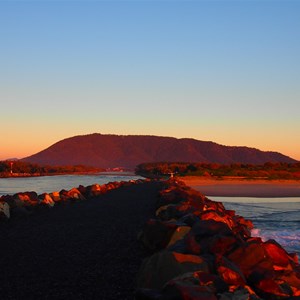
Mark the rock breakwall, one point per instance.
(25, 203)
(200, 250)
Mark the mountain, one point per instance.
(110, 151)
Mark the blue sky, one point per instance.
(226, 71)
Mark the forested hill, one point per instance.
(108, 151)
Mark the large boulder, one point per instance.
(95, 190)
(269, 288)
(230, 272)
(163, 266)
(173, 211)
(75, 194)
(239, 293)
(280, 258)
(46, 199)
(157, 234)
(55, 196)
(178, 235)
(238, 267)
(27, 199)
(198, 285)
(252, 259)
(4, 210)
(218, 217)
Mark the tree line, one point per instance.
(15, 168)
(269, 170)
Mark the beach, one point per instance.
(234, 187)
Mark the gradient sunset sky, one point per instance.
(222, 71)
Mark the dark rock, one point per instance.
(188, 287)
(28, 199)
(271, 289)
(178, 234)
(163, 266)
(148, 294)
(239, 293)
(4, 210)
(208, 228)
(157, 234)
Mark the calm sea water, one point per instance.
(276, 218)
(273, 218)
(47, 184)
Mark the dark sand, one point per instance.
(87, 250)
(244, 188)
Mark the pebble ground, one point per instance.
(85, 250)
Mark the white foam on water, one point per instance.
(289, 240)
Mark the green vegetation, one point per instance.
(20, 168)
(266, 171)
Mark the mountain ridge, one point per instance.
(111, 150)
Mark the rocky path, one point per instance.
(87, 250)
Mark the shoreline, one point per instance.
(258, 188)
(29, 175)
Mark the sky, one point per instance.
(222, 71)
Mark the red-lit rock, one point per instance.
(279, 256)
(27, 199)
(243, 221)
(214, 205)
(269, 288)
(239, 293)
(216, 216)
(75, 194)
(294, 257)
(230, 272)
(214, 281)
(192, 245)
(292, 279)
(94, 190)
(179, 234)
(64, 196)
(55, 196)
(46, 199)
(250, 257)
(169, 212)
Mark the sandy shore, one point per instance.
(244, 187)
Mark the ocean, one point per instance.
(273, 218)
(47, 184)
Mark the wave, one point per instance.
(290, 240)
